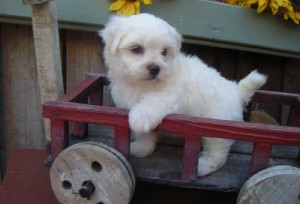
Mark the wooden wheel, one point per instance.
(278, 184)
(262, 117)
(92, 173)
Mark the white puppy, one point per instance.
(153, 79)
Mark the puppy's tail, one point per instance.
(248, 85)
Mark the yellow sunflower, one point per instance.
(128, 7)
(284, 7)
(280, 6)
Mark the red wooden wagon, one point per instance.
(174, 164)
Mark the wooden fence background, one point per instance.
(20, 113)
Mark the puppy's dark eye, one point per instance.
(164, 52)
(137, 49)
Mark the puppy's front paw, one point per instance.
(207, 165)
(140, 149)
(143, 121)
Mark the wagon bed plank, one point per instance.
(105, 133)
(164, 165)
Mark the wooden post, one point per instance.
(46, 40)
(60, 138)
(122, 141)
(190, 158)
(260, 157)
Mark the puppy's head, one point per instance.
(140, 47)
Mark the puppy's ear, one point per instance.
(113, 33)
(178, 39)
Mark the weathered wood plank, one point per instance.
(224, 60)
(2, 158)
(83, 55)
(246, 62)
(204, 22)
(22, 105)
(47, 53)
(206, 53)
(291, 81)
(164, 167)
(227, 63)
(31, 2)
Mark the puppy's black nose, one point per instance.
(153, 70)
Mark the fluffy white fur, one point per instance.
(151, 77)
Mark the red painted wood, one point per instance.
(190, 158)
(122, 141)
(71, 111)
(27, 179)
(84, 89)
(274, 97)
(294, 115)
(181, 124)
(260, 157)
(94, 90)
(59, 137)
(96, 95)
(80, 130)
(67, 108)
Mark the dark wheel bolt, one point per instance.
(87, 189)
